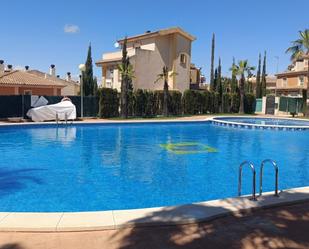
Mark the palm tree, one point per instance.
(299, 50)
(240, 70)
(164, 76)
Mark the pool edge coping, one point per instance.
(158, 216)
(216, 120)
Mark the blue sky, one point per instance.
(33, 31)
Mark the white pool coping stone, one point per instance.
(183, 214)
(217, 121)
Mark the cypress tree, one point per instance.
(88, 81)
(263, 83)
(212, 87)
(124, 81)
(219, 86)
(95, 86)
(258, 89)
(234, 79)
(215, 80)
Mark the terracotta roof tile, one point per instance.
(17, 77)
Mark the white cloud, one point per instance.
(71, 29)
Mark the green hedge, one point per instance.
(145, 103)
(249, 103)
(108, 103)
(174, 102)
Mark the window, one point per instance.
(183, 59)
(27, 92)
(284, 82)
(301, 80)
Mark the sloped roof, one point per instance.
(18, 77)
(161, 32)
(48, 76)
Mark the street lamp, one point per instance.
(82, 69)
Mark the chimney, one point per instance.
(68, 76)
(26, 68)
(1, 67)
(52, 70)
(10, 68)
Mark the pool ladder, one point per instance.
(65, 119)
(261, 177)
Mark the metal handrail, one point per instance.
(65, 118)
(276, 175)
(253, 179)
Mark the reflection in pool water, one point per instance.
(121, 166)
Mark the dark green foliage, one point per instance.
(108, 103)
(263, 82)
(212, 60)
(124, 81)
(89, 83)
(95, 86)
(191, 104)
(258, 89)
(215, 81)
(216, 102)
(305, 107)
(174, 102)
(235, 102)
(175, 107)
(140, 102)
(144, 103)
(226, 102)
(249, 105)
(234, 87)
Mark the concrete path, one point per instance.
(280, 227)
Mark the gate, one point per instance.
(270, 105)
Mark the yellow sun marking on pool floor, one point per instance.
(188, 148)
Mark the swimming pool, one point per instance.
(259, 121)
(90, 167)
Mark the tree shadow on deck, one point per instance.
(277, 227)
(12, 246)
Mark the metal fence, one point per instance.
(18, 105)
(291, 105)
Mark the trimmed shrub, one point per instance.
(226, 103)
(175, 106)
(144, 103)
(108, 103)
(174, 102)
(139, 100)
(235, 102)
(205, 102)
(249, 106)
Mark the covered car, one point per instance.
(62, 110)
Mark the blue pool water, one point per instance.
(123, 166)
(265, 121)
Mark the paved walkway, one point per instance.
(281, 227)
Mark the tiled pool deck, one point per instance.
(184, 214)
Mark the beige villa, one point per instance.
(148, 53)
(270, 83)
(294, 80)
